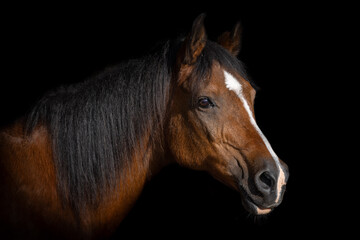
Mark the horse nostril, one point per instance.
(266, 178)
(265, 182)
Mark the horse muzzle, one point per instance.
(265, 190)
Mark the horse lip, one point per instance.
(252, 207)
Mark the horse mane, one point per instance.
(98, 125)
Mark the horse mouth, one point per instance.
(251, 207)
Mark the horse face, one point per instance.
(212, 127)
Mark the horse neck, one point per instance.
(154, 158)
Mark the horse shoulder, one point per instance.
(31, 202)
(29, 198)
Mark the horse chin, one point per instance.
(252, 208)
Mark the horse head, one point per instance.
(212, 124)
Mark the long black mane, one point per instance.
(98, 125)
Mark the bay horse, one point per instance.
(76, 163)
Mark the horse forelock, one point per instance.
(214, 53)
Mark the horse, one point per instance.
(75, 164)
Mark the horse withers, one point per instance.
(76, 163)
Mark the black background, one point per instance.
(288, 50)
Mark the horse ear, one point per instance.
(195, 41)
(232, 40)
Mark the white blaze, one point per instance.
(234, 85)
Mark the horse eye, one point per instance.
(205, 102)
